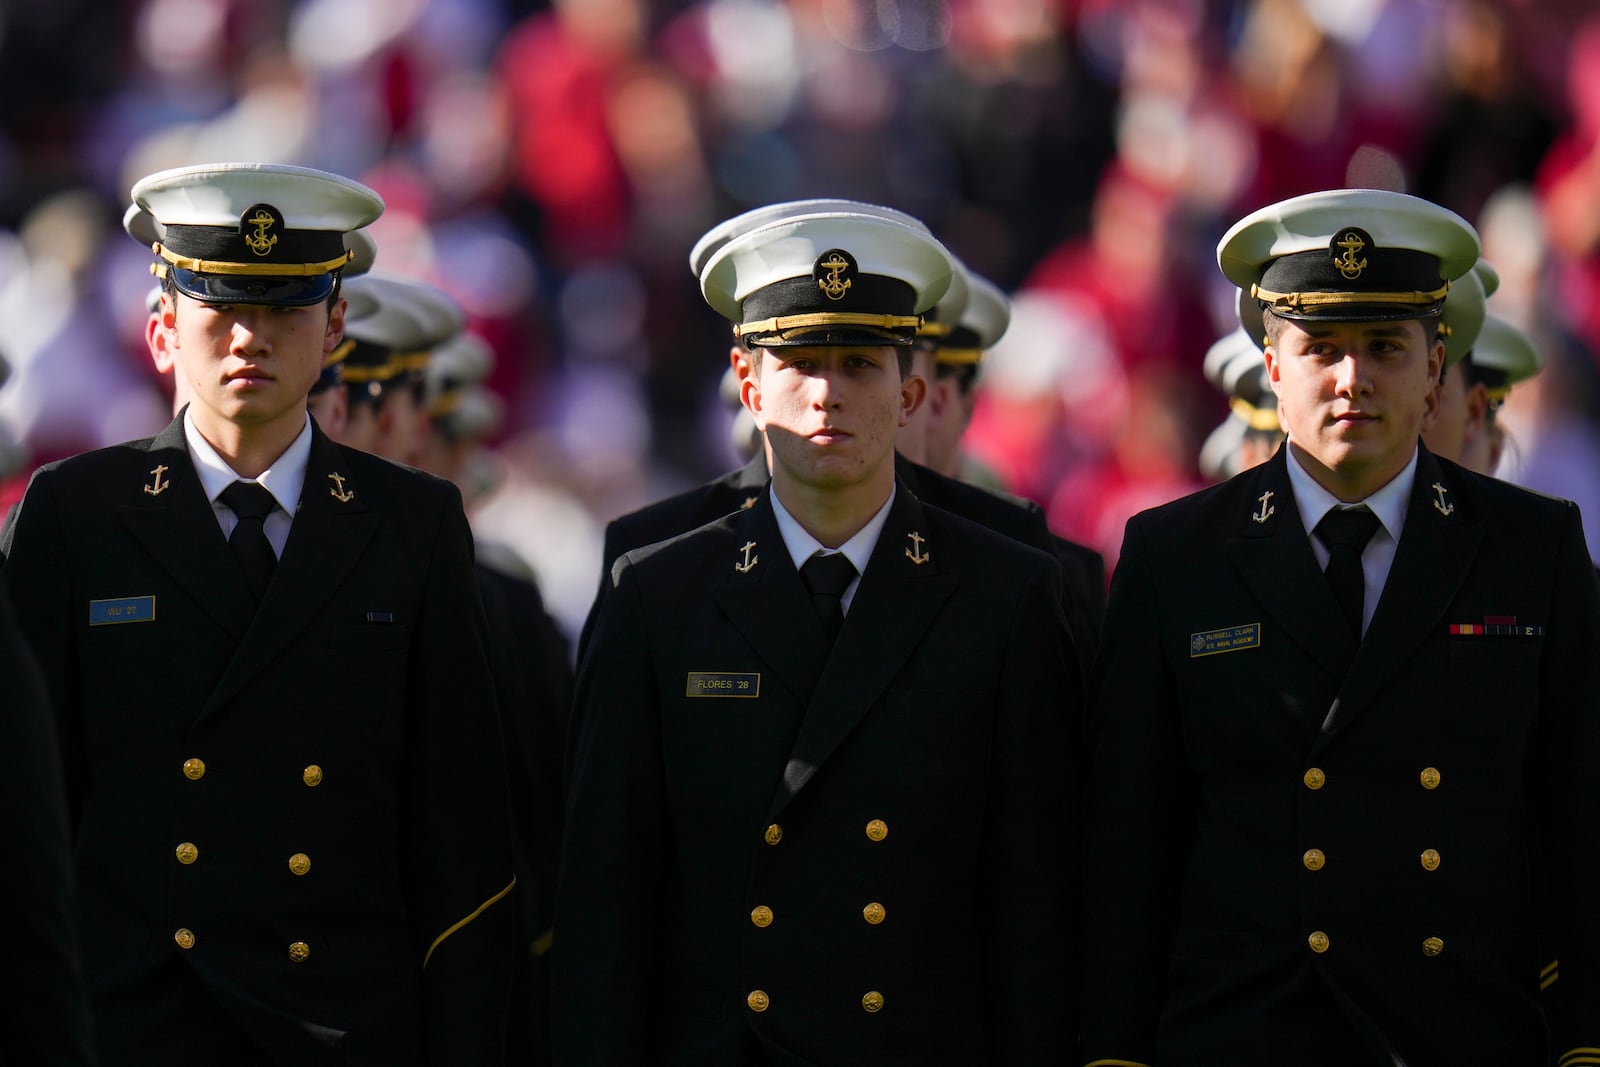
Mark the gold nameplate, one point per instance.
(1228, 639)
(723, 684)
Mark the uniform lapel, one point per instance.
(762, 594)
(1273, 554)
(330, 532)
(1436, 550)
(170, 516)
(893, 607)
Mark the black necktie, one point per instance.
(1346, 533)
(252, 503)
(827, 577)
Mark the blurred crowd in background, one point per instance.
(550, 164)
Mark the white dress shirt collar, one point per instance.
(802, 546)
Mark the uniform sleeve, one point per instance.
(1570, 710)
(458, 839)
(1133, 821)
(44, 1017)
(614, 847)
(1030, 840)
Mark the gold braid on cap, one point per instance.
(411, 360)
(1254, 417)
(1297, 301)
(962, 357)
(934, 329)
(343, 349)
(274, 270)
(784, 323)
(381, 373)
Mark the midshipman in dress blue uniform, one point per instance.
(786, 847)
(267, 663)
(1345, 817)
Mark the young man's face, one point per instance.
(830, 413)
(1458, 429)
(250, 364)
(1353, 396)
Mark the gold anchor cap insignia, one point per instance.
(749, 560)
(1267, 508)
(338, 491)
(260, 219)
(1439, 503)
(915, 553)
(830, 271)
(1346, 249)
(159, 486)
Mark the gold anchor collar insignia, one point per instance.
(915, 553)
(1346, 249)
(1439, 503)
(832, 271)
(159, 486)
(1266, 510)
(749, 502)
(749, 562)
(254, 224)
(338, 491)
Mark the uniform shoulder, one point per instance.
(387, 478)
(963, 538)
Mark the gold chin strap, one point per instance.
(1301, 301)
(411, 360)
(1254, 417)
(340, 351)
(962, 357)
(828, 318)
(381, 373)
(1499, 395)
(270, 270)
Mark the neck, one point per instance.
(249, 449)
(834, 514)
(1348, 485)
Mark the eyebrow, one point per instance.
(1369, 331)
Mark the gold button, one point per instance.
(184, 937)
(194, 769)
(1430, 860)
(1429, 777)
(1314, 778)
(299, 863)
(874, 913)
(774, 834)
(1314, 859)
(1318, 941)
(299, 952)
(758, 1000)
(312, 775)
(1433, 946)
(762, 916)
(877, 829)
(872, 1001)
(187, 853)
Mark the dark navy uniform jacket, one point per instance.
(294, 816)
(861, 855)
(1288, 863)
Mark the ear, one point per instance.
(913, 391)
(1435, 372)
(167, 314)
(1270, 354)
(1477, 410)
(941, 391)
(750, 397)
(335, 331)
(155, 339)
(739, 360)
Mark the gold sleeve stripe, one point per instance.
(541, 944)
(276, 270)
(827, 318)
(479, 910)
(1550, 980)
(1115, 1063)
(1296, 301)
(1552, 965)
(1584, 1060)
(1580, 1055)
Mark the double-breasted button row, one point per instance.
(184, 938)
(188, 852)
(1315, 778)
(762, 916)
(876, 830)
(194, 769)
(1320, 942)
(758, 1001)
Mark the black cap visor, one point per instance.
(269, 290)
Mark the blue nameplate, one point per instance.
(723, 684)
(122, 609)
(1227, 639)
